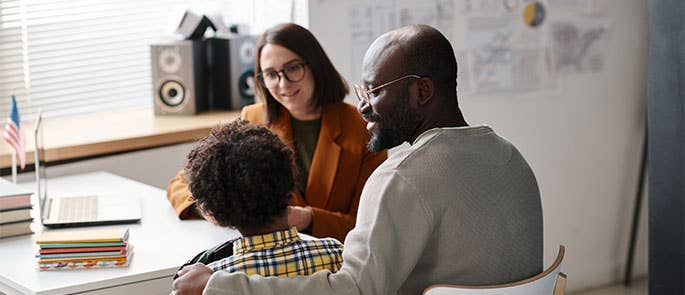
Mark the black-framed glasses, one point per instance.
(292, 72)
(363, 94)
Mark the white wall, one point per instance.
(583, 140)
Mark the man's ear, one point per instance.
(426, 90)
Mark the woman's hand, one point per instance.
(300, 217)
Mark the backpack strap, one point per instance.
(210, 255)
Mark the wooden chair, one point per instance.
(550, 282)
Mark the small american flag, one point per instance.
(13, 135)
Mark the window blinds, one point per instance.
(80, 56)
(11, 56)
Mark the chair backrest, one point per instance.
(550, 282)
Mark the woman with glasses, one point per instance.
(302, 96)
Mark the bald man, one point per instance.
(459, 206)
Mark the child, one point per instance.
(241, 176)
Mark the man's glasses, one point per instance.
(291, 72)
(363, 94)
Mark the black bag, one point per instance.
(210, 255)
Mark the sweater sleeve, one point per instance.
(393, 227)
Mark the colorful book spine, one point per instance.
(15, 228)
(85, 264)
(80, 245)
(71, 255)
(83, 236)
(13, 196)
(16, 214)
(121, 256)
(81, 250)
(15, 202)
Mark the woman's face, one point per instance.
(295, 96)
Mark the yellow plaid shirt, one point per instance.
(283, 254)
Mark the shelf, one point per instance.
(96, 134)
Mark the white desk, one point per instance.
(161, 244)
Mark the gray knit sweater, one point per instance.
(460, 206)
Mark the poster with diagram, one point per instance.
(490, 54)
(507, 46)
(578, 46)
(367, 23)
(370, 20)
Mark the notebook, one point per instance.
(13, 196)
(111, 235)
(79, 210)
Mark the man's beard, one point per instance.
(393, 129)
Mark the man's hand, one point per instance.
(300, 217)
(191, 279)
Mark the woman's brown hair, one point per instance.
(329, 86)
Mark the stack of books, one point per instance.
(99, 248)
(15, 210)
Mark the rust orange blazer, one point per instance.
(339, 169)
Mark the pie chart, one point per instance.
(533, 14)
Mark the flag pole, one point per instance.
(14, 159)
(14, 167)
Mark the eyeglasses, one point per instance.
(292, 72)
(363, 94)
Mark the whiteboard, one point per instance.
(581, 133)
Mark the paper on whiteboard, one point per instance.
(581, 7)
(436, 13)
(506, 56)
(486, 7)
(532, 70)
(578, 46)
(490, 53)
(367, 23)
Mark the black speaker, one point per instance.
(231, 70)
(179, 77)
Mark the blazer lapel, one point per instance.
(325, 160)
(283, 128)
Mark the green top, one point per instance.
(305, 136)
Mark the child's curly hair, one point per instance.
(241, 174)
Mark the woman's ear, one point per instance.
(426, 90)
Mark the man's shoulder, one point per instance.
(445, 144)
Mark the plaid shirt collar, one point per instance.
(278, 239)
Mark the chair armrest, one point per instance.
(560, 286)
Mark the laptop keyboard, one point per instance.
(78, 209)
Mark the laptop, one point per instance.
(79, 210)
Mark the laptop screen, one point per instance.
(39, 160)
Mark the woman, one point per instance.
(302, 101)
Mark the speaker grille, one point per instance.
(172, 93)
(170, 60)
